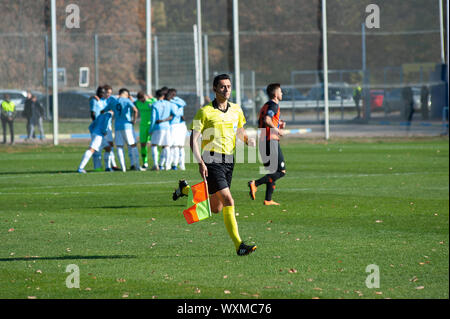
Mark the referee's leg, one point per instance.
(229, 217)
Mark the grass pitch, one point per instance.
(344, 205)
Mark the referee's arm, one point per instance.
(195, 135)
(241, 133)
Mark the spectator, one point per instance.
(424, 96)
(8, 112)
(27, 112)
(357, 97)
(37, 117)
(408, 103)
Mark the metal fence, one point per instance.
(280, 41)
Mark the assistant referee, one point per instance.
(218, 123)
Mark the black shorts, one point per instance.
(220, 171)
(272, 156)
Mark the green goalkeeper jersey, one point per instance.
(145, 111)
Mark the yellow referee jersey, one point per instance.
(218, 128)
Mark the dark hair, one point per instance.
(107, 87)
(271, 88)
(101, 92)
(159, 94)
(171, 93)
(164, 90)
(220, 77)
(123, 90)
(141, 95)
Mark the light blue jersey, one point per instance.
(178, 105)
(97, 106)
(123, 111)
(101, 123)
(162, 109)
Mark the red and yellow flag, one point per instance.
(198, 207)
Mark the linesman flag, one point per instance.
(198, 207)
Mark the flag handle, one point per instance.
(206, 185)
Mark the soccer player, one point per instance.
(98, 130)
(109, 136)
(178, 131)
(219, 123)
(271, 129)
(96, 105)
(162, 113)
(125, 117)
(144, 106)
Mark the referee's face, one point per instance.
(223, 89)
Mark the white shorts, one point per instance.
(161, 137)
(109, 136)
(126, 136)
(96, 142)
(178, 132)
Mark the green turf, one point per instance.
(345, 205)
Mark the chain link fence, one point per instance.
(280, 41)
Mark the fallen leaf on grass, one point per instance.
(420, 287)
(227, 292)
(31, 297)
(378, 292)
(11, 230)
(292, 271)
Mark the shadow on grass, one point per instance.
(67, 257)
(40, 172)
(139, 206)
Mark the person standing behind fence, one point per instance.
(27, 112)
(37, 118)
(8, 112)
(357, 98)
(424, 96)
(408, 103)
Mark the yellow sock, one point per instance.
(231, 225)
(186, 189)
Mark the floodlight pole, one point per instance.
(441, 24)
(325, 67)
(197, 66)
(237, 59)
(148, 35)
(54, 73)
(200, 51)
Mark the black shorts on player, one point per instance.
(220, 171)
(271, 160)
